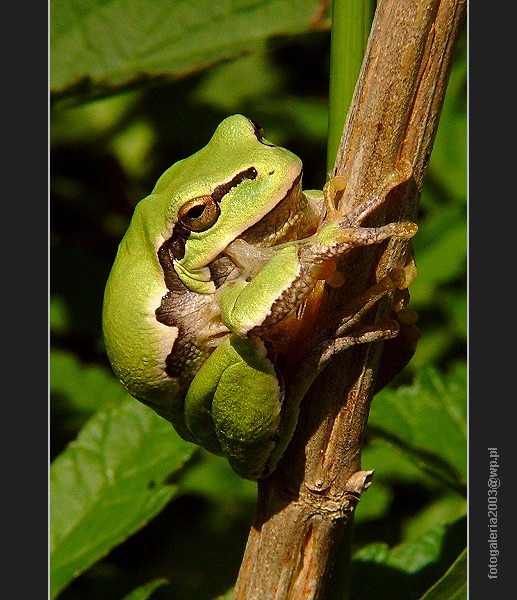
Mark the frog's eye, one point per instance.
(199, 214)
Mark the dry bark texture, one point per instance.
(305, 507)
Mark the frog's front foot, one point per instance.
(365, 236)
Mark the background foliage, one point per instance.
(135, 511)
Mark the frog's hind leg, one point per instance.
(350, 331)
(354, 311)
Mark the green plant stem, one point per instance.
(351, 21)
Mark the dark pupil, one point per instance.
(195, 212)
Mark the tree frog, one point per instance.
(205, 300)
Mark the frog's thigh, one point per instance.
(200, 394)
(233, 405)
(198, 400)
(246, 408)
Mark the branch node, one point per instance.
(335, 507)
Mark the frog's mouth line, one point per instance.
(275, 225)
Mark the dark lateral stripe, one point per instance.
(174, 247)
(221, 190)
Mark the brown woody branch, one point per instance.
(305, 508)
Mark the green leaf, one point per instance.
(455, 303)
(108, 484)
(374, 504)
(390, 463)
(453, 585)
(448, 162)
(143, 592)
(441, 253)
(428, 420)
(229, 87)
(432, 346)
(409, 568)
(85, 387)
(445, 509)
(415, 554)
(396, 476)
(114, 43)
(213, 478)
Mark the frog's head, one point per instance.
(206, 201)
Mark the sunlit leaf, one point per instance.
(407, 569)
(428, 420)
